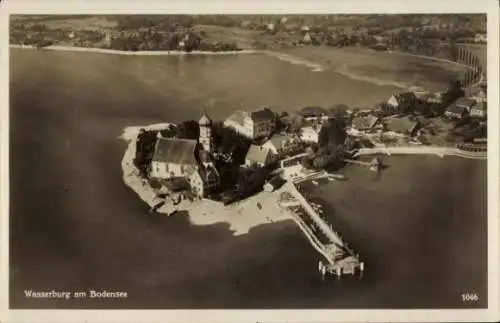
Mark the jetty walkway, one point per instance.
(340, 259)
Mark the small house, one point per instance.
(433, 97)
(403, 126)
(480, 38)
(401, 102)
(479, 110)
(459, 108)
(309, 134)
(364, 123)
(274, 183)
(204, 181)
(259, 155)
(283, 144)
(479, 96)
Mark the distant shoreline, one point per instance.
(133, 53)
(289, 58)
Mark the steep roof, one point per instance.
(175, 151)
(364, 122)
(262, 115)
(207, 173)
(456, 109)
(239, 116)
(258, 154)
(277, 140)
(464, 102)
(405, 97)
(312, 111)
(401, 125)
(205, 120)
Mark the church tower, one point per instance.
(206, 133)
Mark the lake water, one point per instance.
(76, 226)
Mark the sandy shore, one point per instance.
(132, 53)
(241, 216)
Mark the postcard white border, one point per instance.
(491, 7)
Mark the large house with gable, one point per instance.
(401, 103)
(253, 125)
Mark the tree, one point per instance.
(292, 123)
(339, 111)
(189, 130)
(333, 132)
(453, 92)
(351, 143)
(306, 162)
(321, 161)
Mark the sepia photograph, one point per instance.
(249, 161)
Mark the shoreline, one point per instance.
(130, 53)
(241, 217)
(423, 150)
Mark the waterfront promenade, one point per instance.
(423, 150)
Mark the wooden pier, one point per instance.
(340, 259)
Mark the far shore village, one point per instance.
(258, 150)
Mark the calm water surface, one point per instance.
(76, 226)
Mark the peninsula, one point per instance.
(247, 169)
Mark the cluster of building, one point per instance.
(397, 113)
(194, 160)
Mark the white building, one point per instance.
(173, 158)
(282, 144)
(252, 125)
(481, 38)
(259, 155)
(204, 180)
(479, 110)
(310, 134)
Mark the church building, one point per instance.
(191, 159)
